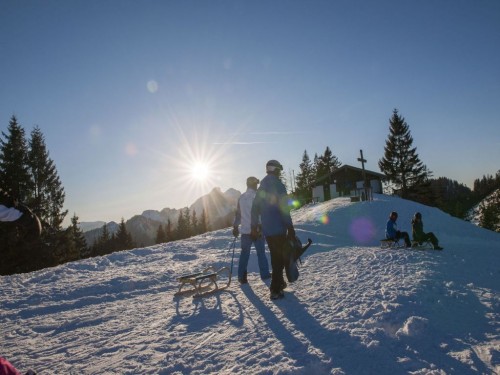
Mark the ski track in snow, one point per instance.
(356, 309)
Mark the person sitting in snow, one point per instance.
(419, 236)
(243, 217)
(26, 222)
(392, 232)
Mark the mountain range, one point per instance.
(219, 208)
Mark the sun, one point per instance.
(200, 171)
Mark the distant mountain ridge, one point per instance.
(219, 208)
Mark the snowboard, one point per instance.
(292, 252)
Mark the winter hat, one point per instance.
(252, 182)
(273, 165)
(418, 215)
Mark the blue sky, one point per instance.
(131, 94)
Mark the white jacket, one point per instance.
(244, 211)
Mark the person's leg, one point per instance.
(260, 248)
(405, 236)
(246, 243)
(434, 240)
(275, 244)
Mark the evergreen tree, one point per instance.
(203, 222)
(78, 239)
(169, 234)
(181, 231)
(101, 247)
(194, 224)
(47, 191)
(161, 236)
(14, 173)
(305, 179)
(325, 165)
(401, 164)
(187, 218)
(123, 239)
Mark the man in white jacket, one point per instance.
(243, 217)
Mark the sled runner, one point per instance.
(389, 243)
(292, 252)
(205, 282)
(425, 245)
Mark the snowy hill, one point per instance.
(356, 309)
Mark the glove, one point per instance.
(291, 232)
(254, 234)
(236, 232)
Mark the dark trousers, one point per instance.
(276, 246)
(405, 236)
(429, 237)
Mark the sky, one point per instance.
(132, 96)
(355, 309)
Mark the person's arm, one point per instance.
(237, 216)
(9, 213)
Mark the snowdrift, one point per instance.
(356, 309)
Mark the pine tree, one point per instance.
(102, 245)
(305, 179)
(401, 164)
(169, 234)
(194, 224)
(14, 173)
(203, 222)
(187, 219)
(161, 237)
(325, 165)
(47, 192)
(181, 230)
(78, 239)
(123, 239)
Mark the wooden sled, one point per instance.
(204, 282)
(389, 243)
(425, 245)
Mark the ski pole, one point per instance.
(232, 259)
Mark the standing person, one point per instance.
(392, 232)
(417, 230)
(243, 217)
(271, 205)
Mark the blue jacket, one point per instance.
(391, 229)
(271, 204)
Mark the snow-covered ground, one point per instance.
(356, 309)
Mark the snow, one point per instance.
(356, 309)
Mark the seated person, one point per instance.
(392, 232)
(417, 229)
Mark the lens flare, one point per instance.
(324, 219)
(362, 230)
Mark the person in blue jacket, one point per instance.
(243, 217)
(392, 232)
(271, 206)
